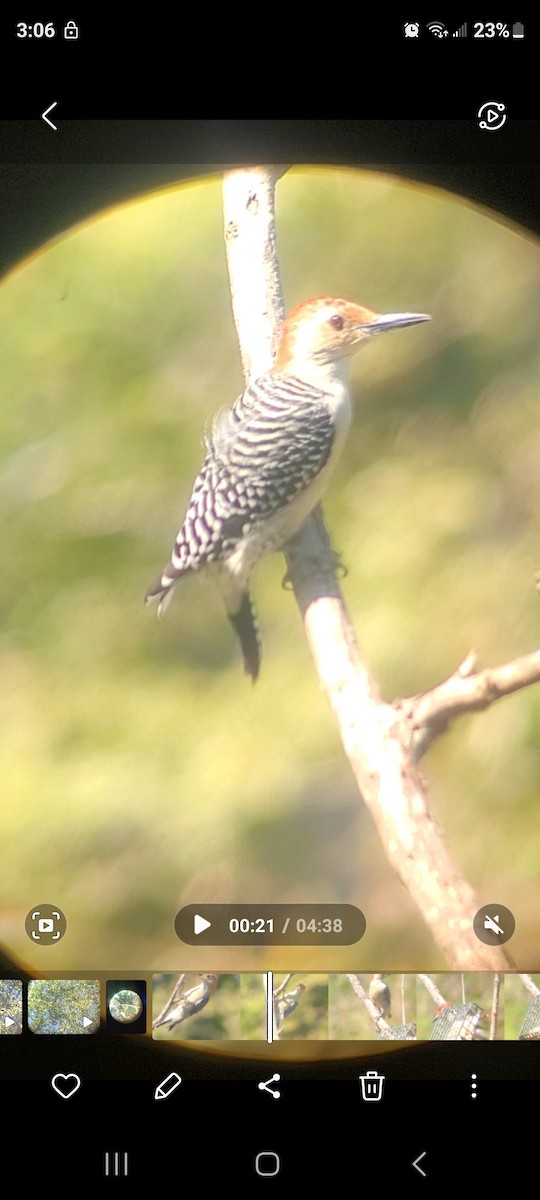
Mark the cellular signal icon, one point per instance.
(462, 31)
(438, 29)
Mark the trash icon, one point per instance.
(372, 1085)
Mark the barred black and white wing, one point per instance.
(263, 453)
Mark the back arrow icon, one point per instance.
(418, 1160)
(48, 110)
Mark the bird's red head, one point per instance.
(210, 979)
(328, 328)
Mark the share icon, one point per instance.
(265, 1087)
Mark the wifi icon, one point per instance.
(438, 29)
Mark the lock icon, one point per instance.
(71, 30)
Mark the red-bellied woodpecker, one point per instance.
(287, 1003)
(379, 992)
(190, 1002)
(269, 457)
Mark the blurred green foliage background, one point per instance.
(59, 1006)
(11, 1003)
(140, 769)
(310, 1018)
(517, 1002)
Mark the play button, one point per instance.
(200, 923)
(9, 1024)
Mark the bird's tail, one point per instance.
(244, 621)
(240, 612)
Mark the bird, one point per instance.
(191, 1002)
(287, 1003)
(269, 457)
(379, 993)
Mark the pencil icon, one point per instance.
(167, 1086)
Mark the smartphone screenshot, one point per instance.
(270, 632)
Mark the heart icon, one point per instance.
(66, 1085)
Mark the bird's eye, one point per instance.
(336, 321)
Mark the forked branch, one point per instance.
(383, 742)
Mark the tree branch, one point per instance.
(530, 985)
(426, 717)
(431, 987)
(282, 986)
(250, 241)
(174, 996)
(374, 1013)
(376, 736)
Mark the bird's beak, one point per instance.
(394, 321)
